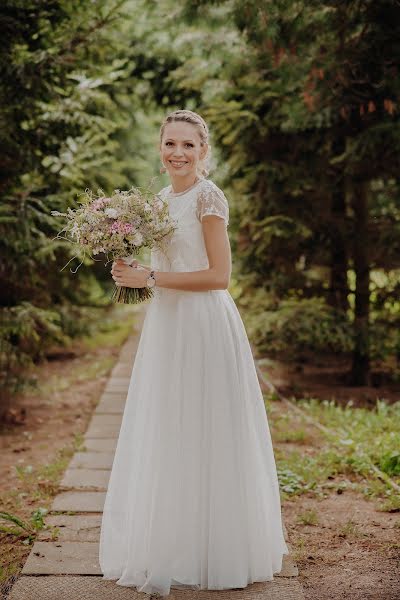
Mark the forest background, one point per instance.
(302, 102)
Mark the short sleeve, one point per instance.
(212, 201)
(163, 192)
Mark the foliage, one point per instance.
(295, 326)
(302, 101)
(26, 332)
(24, 528)
(305, 112)
(63, 104)
(355, 443)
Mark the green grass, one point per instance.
(343, 457)
(24, 508)
(308, 517)
(112, 332)
(114, 328)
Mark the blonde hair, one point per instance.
(188, 116)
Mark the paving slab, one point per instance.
(111, 396)
(116, 387)
(63, 558)
(289, 567)
(72, 528)
(100, 444)
(118, 380)
(117, 400)
(66, 566)
(85, 479)
(123, 370)
(92, 460)
(100, 420)
(110, 408)
(115, 404)
(71, 587)
(79, 502)
(81, 558)
(104, 431)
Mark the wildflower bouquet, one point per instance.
(119, 226)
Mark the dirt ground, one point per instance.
(38, 426)
(40, 435)
(352, 549)
(352, 552)
(327, 378)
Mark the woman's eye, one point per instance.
(187, 144)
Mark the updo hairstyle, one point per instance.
(195, 119)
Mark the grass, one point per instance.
(358, 440)
(308, 517)
(25, 507)
(112, 332)
(350, 529)
(24, 511)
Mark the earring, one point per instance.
(163, 168)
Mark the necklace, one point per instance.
(172, 193)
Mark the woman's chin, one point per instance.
(181, 172)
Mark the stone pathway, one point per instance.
(68, 568)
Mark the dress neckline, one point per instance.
(175, 194)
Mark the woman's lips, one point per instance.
(178, 164)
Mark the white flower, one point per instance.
(111, 212)
(147, 207)
(137, 239)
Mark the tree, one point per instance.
(59, 118)
(307, 119)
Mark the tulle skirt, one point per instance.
(193, 497)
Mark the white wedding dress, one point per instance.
(193, 498)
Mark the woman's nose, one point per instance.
(178, 152)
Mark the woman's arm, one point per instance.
(216, 277)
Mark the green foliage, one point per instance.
(302, 103)
(26, 332)
(289, 482)
(390, 463)
(26, 529)
(304, 109)
(356, 443)
(64, 108)
(294, 326)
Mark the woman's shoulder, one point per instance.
(164, 191)
(210, 188)
(211, 200)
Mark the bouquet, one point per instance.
(119, 226)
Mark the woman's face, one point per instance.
(181, 149)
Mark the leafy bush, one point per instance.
(26, 332)
(295, 326)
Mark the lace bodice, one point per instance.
(185, 249)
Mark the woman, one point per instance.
(193, 498)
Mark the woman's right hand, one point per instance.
(133, 264)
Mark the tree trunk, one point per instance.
(338, 287)
(360, 372)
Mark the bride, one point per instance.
(193, 498)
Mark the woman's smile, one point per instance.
(177, 164)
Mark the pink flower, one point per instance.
(122, 228)
(99, 203)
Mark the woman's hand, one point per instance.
(134, 276)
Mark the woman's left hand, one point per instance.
(134, 276)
